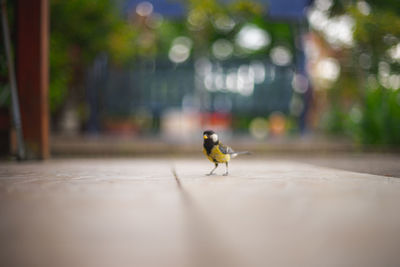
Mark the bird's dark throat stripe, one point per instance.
(208, 145)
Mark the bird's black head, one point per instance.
(210, 137)
(208, 132)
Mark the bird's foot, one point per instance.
(225, 174)
(209, 174)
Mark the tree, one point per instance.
(80, 30)
(371, 69)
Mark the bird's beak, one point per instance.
(205, 137)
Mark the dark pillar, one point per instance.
(301, 29)
(33, 74)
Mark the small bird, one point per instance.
(216, 152)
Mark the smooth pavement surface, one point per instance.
(167, 212)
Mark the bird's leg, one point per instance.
(216, 165)
(226, 173)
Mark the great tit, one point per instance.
(216, 152)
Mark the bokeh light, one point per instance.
(296, 105)
(259, 128)
(384, 74)
(394, 81)
(277, 123)
(224, 23)
(144, 9)
(197, 19)
(281, 56)
(337, 30)
(222, 49)
(258, 69)
(394, 53)
(323, 5)
(245, 80)
(250, 37)
(300, 83)
(328, 70)
(203, 66)
(363, 7)
(154, 21)
(180, 49)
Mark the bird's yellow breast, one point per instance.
(216, 155)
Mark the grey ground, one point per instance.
(166, 212)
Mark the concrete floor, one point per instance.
(156, 212)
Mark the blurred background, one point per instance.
(258, 72)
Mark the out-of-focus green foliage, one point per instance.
(377, 122)
(121, 43)
(60, 73)
(380, 122)
(80, 30)
(369, 114)
(370, 31)
(4, 83)
(167, 32)
(202, 15)
(239, 7)
(392, 5)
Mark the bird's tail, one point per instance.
(235, 154)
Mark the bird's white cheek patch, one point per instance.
(214, 137)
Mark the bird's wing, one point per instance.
(225, 149)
